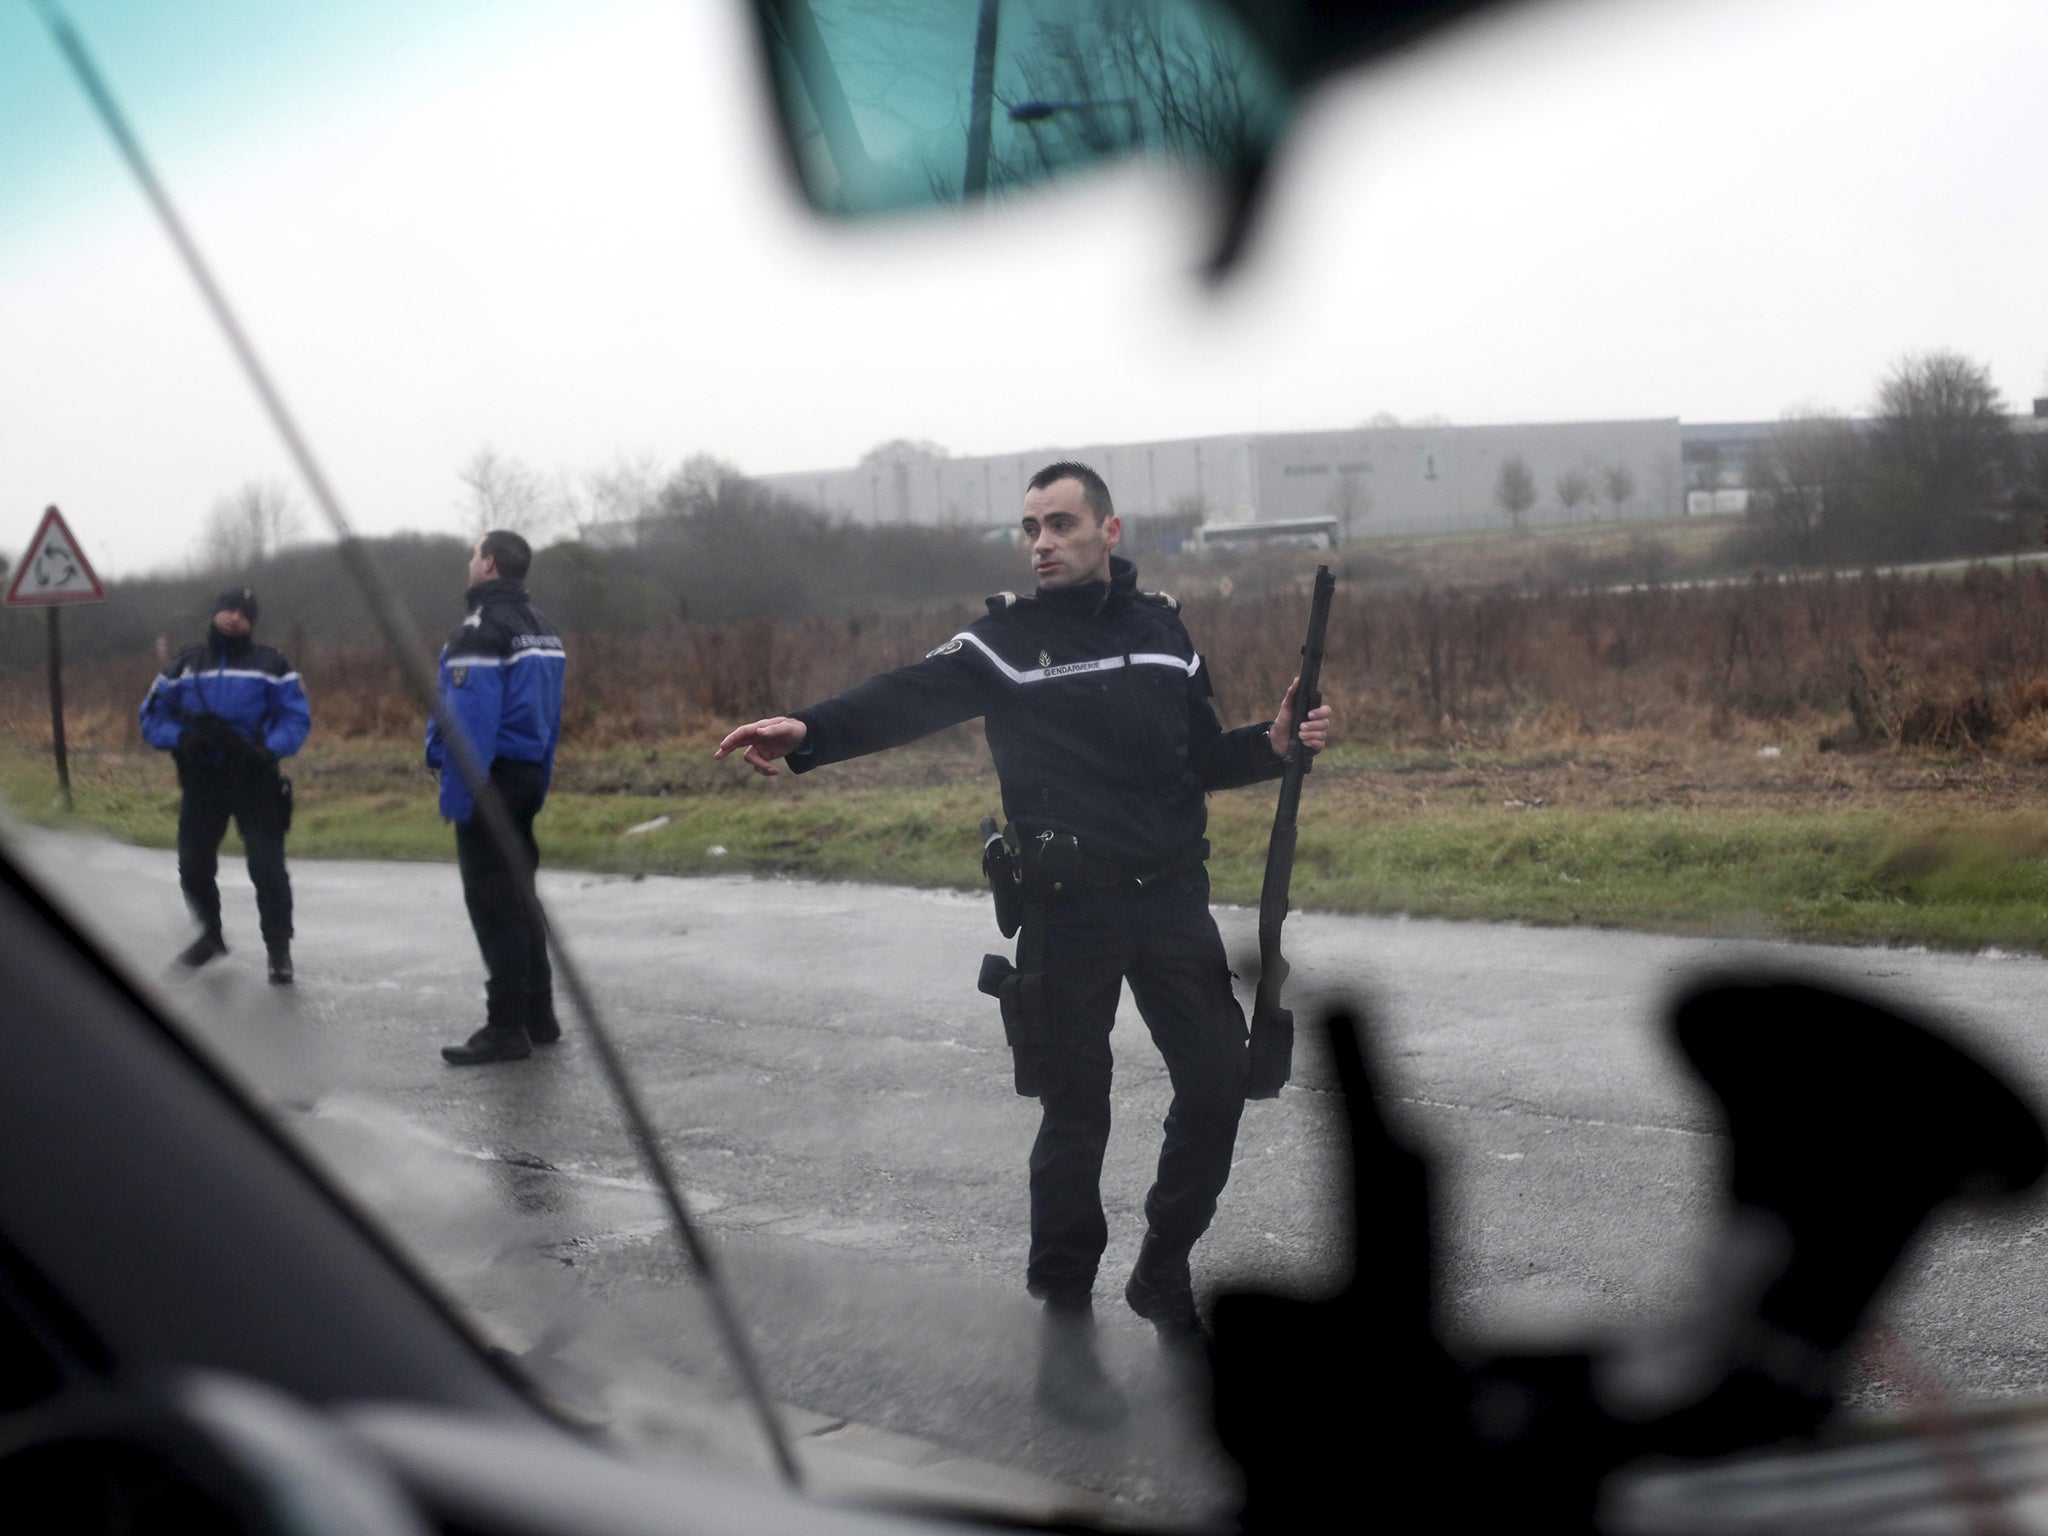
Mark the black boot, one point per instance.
(494, 1042)
(1163, 1292)
(207, 946)
(544, 1029)
(280, 965)
(1071, 1385)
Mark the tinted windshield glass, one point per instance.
(1567, 337)
(950, 104)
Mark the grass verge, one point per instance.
(1887, 872)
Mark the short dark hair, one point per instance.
(512, 555)
(1094, 490)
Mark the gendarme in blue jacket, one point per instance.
(501, 685)
(250, 686)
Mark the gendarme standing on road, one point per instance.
(1098, 715)
(501, 686)
(227, 709)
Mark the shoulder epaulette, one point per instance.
(1002, 600)
(1164, 600)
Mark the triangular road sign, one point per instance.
(54, 570)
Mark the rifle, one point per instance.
(207, 732)
(1272, 1028)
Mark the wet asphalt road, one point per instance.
(836, 1098)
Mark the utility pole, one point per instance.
(981, 104)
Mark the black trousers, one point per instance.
(519, 985)
(248, 795)
(1164, 942)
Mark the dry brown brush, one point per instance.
(1854, 661)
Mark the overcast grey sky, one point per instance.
(560, 230)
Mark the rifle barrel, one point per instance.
(1272, 1027)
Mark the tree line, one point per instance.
(1937, 471)
(708, 546)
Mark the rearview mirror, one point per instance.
(889, 105)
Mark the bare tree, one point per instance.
(623, 498)
(1110, 80)
(1619, 482)
(1574, 490)
(1809, 489)
(503, 492)
(1350, 501)
(249, 525)
(1944, 447)
(701, 485)
(904, 450)
(2030, 477)
(1515, 490)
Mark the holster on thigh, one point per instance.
(1020, 991)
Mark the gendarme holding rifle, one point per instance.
(227, 709)
(1098, 715)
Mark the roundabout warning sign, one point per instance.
(54, 571)
(52, 575)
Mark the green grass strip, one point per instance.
(1958, 879)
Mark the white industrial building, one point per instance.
(1372, 480)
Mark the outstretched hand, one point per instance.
(765, 741)
(1314, 731)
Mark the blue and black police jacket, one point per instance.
(250, 686)
(1097, 709)
(501, 686)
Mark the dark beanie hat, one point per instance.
(240, 599)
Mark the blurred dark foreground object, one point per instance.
(1849, 1124)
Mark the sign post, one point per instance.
(52, 575)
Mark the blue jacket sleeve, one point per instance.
(474, 706)
(290, 716)
(161, 727)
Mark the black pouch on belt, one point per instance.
(1022, 1000)
(1020, 994)
(999, 862)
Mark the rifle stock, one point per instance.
(1272, 1026)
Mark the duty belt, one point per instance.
(1028, 873)
(1054, 863)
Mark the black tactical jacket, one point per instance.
(1097, 712)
